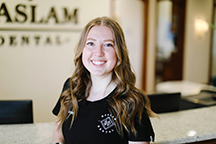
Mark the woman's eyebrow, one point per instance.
(109, 40)
(91, 39)
(104, 40)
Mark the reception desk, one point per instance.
(186, 126)
(176, 127)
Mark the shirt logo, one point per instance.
(106, 124)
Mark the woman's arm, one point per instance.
(133, 142)
(57, 134)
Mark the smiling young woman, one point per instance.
(99, 103)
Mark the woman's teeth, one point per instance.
(98, 62)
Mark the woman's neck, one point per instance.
(101, 87)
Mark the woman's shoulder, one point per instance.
(66, 84)
(67, 80)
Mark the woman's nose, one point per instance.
(99, 50)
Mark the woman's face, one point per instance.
(99, 56)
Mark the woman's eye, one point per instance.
(108, 45)
(90, 43)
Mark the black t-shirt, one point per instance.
(95, 125)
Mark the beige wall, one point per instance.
(197, 50)
(129, 14)
(37, 72)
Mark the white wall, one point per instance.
(130, 15)
(38, 72)
(197, 50)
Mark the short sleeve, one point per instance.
(144, 130)
(56, 109)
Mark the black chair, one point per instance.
(165, 102)
(16, 111)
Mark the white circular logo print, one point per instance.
(106, 124)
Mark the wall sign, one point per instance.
(24, 13)
(36, 23)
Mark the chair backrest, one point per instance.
(16, 111)
(165, 102)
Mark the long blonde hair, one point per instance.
(127, 101)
